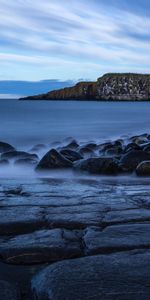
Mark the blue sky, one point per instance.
(73, 39)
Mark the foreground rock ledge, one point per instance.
(123, 276)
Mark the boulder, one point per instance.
(130, 160)
(5, 147)
(99, 165)
(121, 276)
(143, 169)
(8, 291)
(71, 154)
(40, 247)
(131, 146)
(53, 160)
(11, 155)
(26, 162)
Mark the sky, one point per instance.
(73, 39)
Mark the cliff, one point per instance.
(111, 86)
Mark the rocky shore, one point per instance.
(111, 86)
(77, 240)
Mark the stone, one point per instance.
(121, 276)
(5, 147)
(126, 216)
(99, 165)
(20, 219)
(8, 291)
(40, 247)
(131, 160)
(117, 238)
(71, 154)
(26, 162)
(18, 154)
(143, 169)
(53, 160)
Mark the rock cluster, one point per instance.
(111, 86)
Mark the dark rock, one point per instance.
(53, 160)
(126, 216)
(91, 146)
(20, 219)
(113, 151)
(121, 276)
(143, 169)
(71, 155)
(18, 154)
(41, 246)
(131, 160)
(86, 151)
(99, 165)
(72, 145)
(117, 238)
(131, 146)
(8, 291)
(4, 147)
(139, 139)
(26, 162)
(37, 148)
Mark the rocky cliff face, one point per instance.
(111, 86)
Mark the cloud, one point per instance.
(77, 35)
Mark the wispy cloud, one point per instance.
(73, 38)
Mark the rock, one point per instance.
(111, 86)
(113, 151)
(139, 139)
(8, 291)
(131, 160)
(72, 145)
(126, 216)
(37, 148)
(53, 160)
(71, 155)
(117, 238)
(143, 169)
(4, 147)
(85, 151)
(26, 162)
(18, 154)
(121, 276)
(20, 219)
(41, 246)
(131, 146)
(99, 165)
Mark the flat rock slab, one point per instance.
(41, 246)
(117, 238)
(126, 216)
(8, 291)
(123, 276)
(20, 219)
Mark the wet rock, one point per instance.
(72, 145)
(26, 162)
(131, 160)
(91, 146)
(105, 146)
(113, 151)
(37, 148)
(53, 160)
(71, 155)
(117, 238)
(18, 154)
(85, 151)
(5, 147)
(139, 139)
(100, 165)
(20, 219)
(122, 276)
(8, 291)
(143, 169)
(126, 216)
(41, 246)
(131, 146)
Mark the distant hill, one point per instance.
(111, 86)
(24, 88)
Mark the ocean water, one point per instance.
(26, 123)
